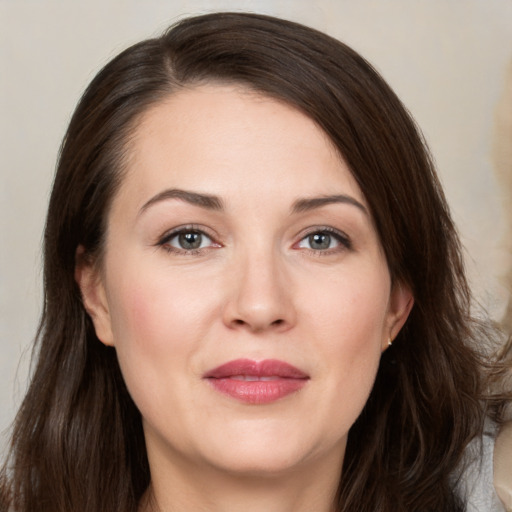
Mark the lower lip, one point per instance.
(257, 391)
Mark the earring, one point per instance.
(390, 342)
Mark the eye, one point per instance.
(189, 240)
(186, 240)
(324, 240)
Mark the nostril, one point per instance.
(240, 323)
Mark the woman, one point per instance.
(254, 293)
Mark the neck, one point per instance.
(209, 489)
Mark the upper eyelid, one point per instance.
(165, 240)
(172, 236)
(171, 233)
(342, 236)
(324, 229)
(343, 239)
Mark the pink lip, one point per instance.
(257, 382)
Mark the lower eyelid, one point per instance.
(192, 228)
(342, 239)
(170, 244)
(175, 236)
(343, 242)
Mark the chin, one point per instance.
(259, 462)
(265, 454)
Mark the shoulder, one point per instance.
(476, 482)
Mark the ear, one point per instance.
(94, 297)
(401, 302)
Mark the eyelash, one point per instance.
(340, 237)
(164, 242)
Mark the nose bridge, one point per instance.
(260, 298)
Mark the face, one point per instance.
(243, 286)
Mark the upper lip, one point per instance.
(248, 367)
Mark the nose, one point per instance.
(261, 295)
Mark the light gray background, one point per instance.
(446, 59)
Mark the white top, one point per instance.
(476, 485)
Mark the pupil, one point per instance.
(190, 240)
(320, 241)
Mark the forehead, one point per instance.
(229, 140)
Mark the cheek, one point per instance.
(352, 310)
(350, 318)
(157, 321)
(154, 310)
(137, 312)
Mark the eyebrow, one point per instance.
(211, 202)
(206, 201)
(304, 205)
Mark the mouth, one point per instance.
(256, 382)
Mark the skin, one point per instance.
(258, 287)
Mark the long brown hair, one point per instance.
(78, 442)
